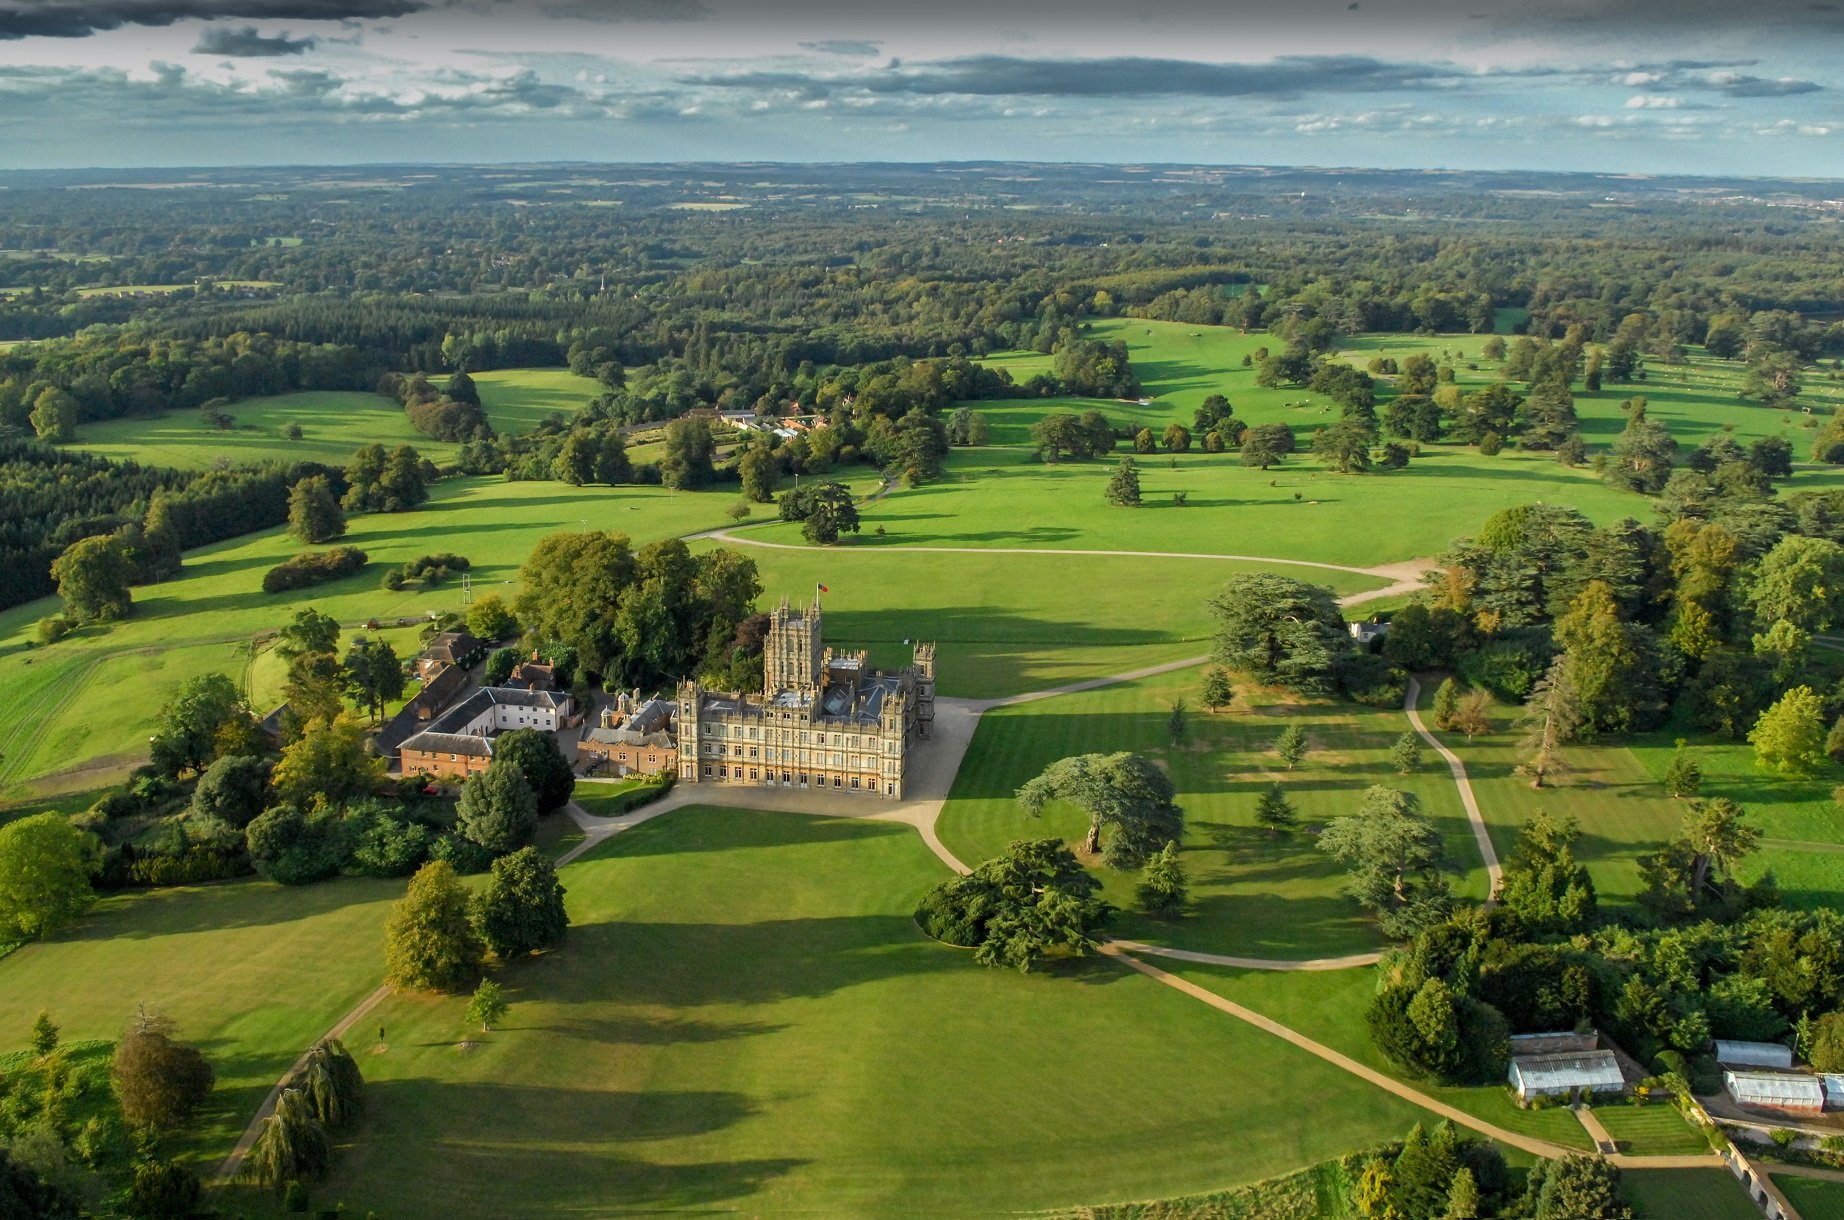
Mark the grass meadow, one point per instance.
(333, 424)
(251, 973)
(1815, 1199)
(88, 704)
(1252, 893)
(1617, 795)
(745, 1019)
(1691, 1194)
(1002, 497)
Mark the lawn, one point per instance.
(1654, 1130)
(745, 1019)
(1815, 1198)
(1328, 1007)
(1616, 794)
(334, 423)
(1252, 893)
(1002, 497)
(250, 971)
(518, 400)
(84, 708)
(1690, 1194)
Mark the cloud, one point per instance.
(1006, 76)
(246, 43)
(64, 19)
(612, 11)
(862, 48)
(1737, 84)
(1653, 103)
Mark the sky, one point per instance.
(1742, 87)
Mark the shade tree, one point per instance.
(1123, 794)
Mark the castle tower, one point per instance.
(923, 664)
(793, 657)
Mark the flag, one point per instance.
(822, 588)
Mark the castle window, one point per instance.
(707, 770)
(835, 782)
(752, 751)
(854, 781)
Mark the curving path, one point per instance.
(1405, 577)
(1494, 874)
(955, 722)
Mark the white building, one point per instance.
(1793, 1092)
(1565, 1074)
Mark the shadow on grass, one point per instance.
(746, 828)
(689, 964)
(506, 1148)
(217, 906)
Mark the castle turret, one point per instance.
(793, 656)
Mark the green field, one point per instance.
(87, 705)
(1616, 794)
(1003, 497)
(1328, 1006)
(518, 400)
(1654, 1130)
(333, 424)
(251, 973)
(1816, 1199)
(1690, 1194)
(1252, 893)
(745, 1019)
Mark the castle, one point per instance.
(824, 719)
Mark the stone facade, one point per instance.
(825, 720)
(460, 742)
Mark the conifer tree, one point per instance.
(1163, 886)
(1124, 487)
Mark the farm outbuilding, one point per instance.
(1565, 1074)
(1753, 1054)
(1834, 1090)
(1791, 1092)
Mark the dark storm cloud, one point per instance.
(246, 43)
(62, 19)
(1006, 76)
(843, 46)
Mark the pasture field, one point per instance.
(87, 705)
(334, 423)
(1252, 893)
(90, 701)
(745, 1018)
(1617, 795)
(250, 971)
(1328, 1007)
(518, 400)
(1691, 1194)
(1816, 1199)
(1002, 497)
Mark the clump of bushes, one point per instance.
(431, 570)
(313, 568)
